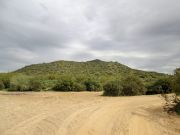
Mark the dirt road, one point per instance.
(84, 113)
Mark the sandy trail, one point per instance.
(84, 113)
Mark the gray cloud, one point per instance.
(141, 34)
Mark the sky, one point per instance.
(143, 34)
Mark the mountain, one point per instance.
(97, 69)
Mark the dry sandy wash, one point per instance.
(84, 113)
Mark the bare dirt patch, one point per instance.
(84, 113)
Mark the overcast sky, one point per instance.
(143, 34)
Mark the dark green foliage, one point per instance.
(5, 78)
(63, 85)
(172, 84)
(19, 83)
(176, 88)
(161, 86)
(113, 88)
(133, 86)
(92, 85)
(6, 83)
(24, 83)
(153, 92)
(48, 84)
(35, 84)
(129, 86)
(176, 84)
(68, 85)
(177, 108)
(78, 87)
(1, 85)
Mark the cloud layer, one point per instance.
(141, 34)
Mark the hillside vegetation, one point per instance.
(77, 76)
(100, 70)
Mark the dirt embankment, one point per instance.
(84, 113)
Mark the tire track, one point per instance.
(84, 114)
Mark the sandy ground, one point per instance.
(84, 113)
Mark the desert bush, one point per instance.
(48, 84)
(68, 85)
(176, 82)
(176, 88)
(64, 85)
(132, 86)
(92, 85)
(52, 77)
(173, 105)
(5, 78)
(161, 86)
(20, 83)
(35, 84)
(78, 87)
(6, 83)
(152, 90)
(113, 88)
(1, 85)
(177, 108)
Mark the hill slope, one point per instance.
(95, 68)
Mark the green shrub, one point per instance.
(78, 87)
(35, 84)
(6, 82)
(20, 83)
(1, 85)
(133, 86)
(5, 78)
(176, 88)
(68, 85)
(48, 84)
(64, 85)
(177, 108)
(92, 85)
(161, 86)
(113, 88)
(176, 84)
